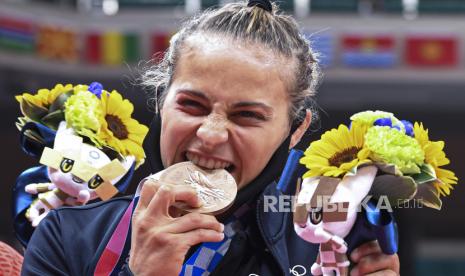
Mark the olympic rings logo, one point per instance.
(298, 270)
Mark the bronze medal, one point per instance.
(216, 189)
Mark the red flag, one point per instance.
(160, 42)
(431, 51)
(93, 52)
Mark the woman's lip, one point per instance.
(209, 156)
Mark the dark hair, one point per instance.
(276, 31)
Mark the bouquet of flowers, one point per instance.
(377, 155)
(103, 118)
(88, 145)
(411, 164)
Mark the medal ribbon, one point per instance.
(114, 248)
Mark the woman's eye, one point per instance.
(250, 115)
(189, 103)
(193, 107)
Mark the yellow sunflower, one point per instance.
(44, 97)
(118, 129)
(337, 152)
(435, 156)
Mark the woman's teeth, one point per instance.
(207, 163)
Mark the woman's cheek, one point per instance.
(249, 147)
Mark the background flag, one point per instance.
(431, 50)
(16, 35)
(57, 43)
(323, 45)
(112, 48)
(359, 50)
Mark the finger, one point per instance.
(168, 194)
(365, 249)
(375, 263)
(149, 189)
(201, 235)
(194, 221)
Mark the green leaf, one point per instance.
(52, 120)
(21, 122)
(427, 174)
(397, 189)
(353, 171)
(429, 195)
(32, 135)
(59, 103)
(32, 111)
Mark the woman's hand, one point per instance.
(159, 239)
(370, 260)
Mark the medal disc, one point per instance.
(215, 188)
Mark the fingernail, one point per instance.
(222, 227)
(221, 236)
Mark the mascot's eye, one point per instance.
(316, 215)
(77, 179)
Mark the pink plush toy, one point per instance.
(333, 204)
(72, 166)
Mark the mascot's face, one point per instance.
(227, 107)
(74, 166)
(64, 178)
(332, 204)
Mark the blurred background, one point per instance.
(402, 56)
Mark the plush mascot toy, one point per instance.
(87, 144)
(356, 176)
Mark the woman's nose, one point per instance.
(213, 131)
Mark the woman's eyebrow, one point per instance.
(193, 93)
(268, 109)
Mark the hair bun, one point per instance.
(264, 4)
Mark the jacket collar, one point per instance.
(275, 225)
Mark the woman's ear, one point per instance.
(300, 131)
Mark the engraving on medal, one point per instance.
(216, 189)
(206, 191)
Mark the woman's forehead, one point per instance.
(231, 85)
(207, 43)
(215, 65)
